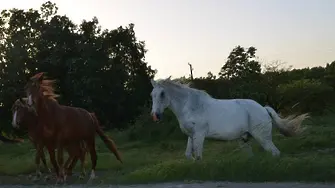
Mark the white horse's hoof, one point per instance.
(35, 179)
(189, 157)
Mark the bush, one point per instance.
(146, 129)
(305, 95)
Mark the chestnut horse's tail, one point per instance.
(109, 142)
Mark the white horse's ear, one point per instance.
(188, 84)
(153, 83)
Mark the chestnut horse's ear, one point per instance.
(38, 77)
(41, 77)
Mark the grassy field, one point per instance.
(155, 153)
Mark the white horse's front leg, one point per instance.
(189, 148)
(198, 143)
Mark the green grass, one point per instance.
(303, 158)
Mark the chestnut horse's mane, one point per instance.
(47, 87)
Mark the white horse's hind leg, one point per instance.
(189, 148)
(269, 146)
(244, 143)
(263, 134)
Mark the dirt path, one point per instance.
(199, 185)
(25, 182)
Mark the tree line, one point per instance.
(104, 71)
(285, 89)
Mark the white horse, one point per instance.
(200, 116)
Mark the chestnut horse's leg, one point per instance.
(91, 146)
(78, 154)
(39, 151)
(67, 165)
(68, 162)
(61, 176)
(72, 159)
(52, 156)
(82, 155)
(73, 164)
(42, 156)
(44, 160)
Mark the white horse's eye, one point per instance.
(162, 94)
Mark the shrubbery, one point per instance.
(305, 96)
(145, 129)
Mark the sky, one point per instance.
(203, 32)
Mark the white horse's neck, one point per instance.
(178, 102)
(183, 100)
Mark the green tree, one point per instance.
(103, 71)
(241, 63)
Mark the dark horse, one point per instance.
(25, 117)
(67, 124)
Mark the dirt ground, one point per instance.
(196, 185)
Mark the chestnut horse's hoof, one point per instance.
(81, 177)
(60, 180)
(30, 177)
(49, 170)
(47, 178)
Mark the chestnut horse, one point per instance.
(68, 124)
(25, 117)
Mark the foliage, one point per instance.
(285, 89)
(306, 95)
(146, 130)
(101, 70)
(241, 63)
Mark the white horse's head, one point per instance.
(160, 100)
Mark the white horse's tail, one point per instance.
(288, 126)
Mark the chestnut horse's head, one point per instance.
(37, 88)
(33, 88)
(19, 109)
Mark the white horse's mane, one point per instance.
(167, 83)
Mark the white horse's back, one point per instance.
(229, 119)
